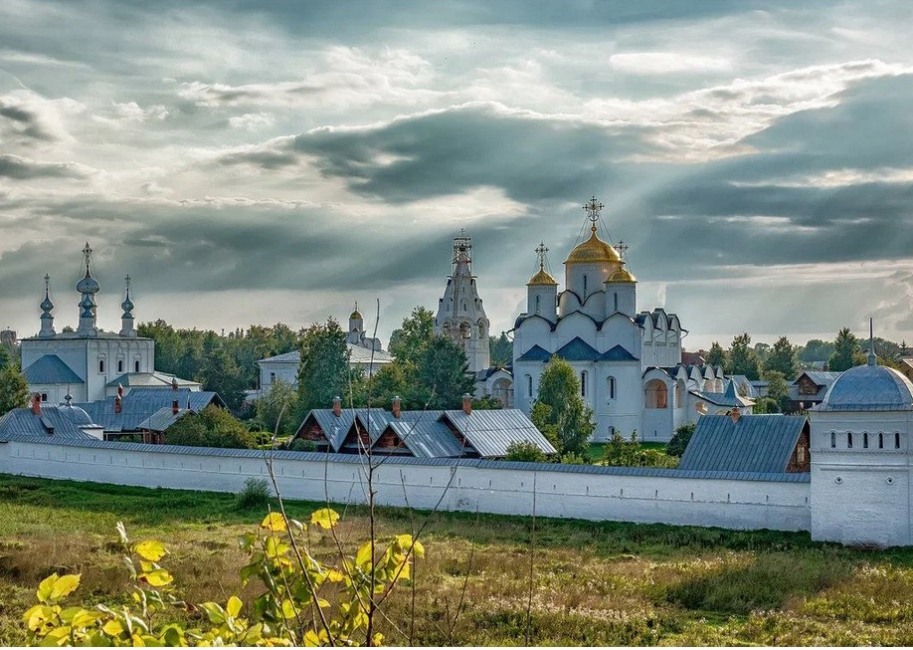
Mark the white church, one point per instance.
(629, 363)
(88, 363)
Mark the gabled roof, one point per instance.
(535, 353)
(289, 357)
(162, 419)
(50, 369)
(819, 377)
(577, 350)
(617, 353)
(59, 421)
(333, 427)
(744, 384)
(427, 439)
(141, 403)
(754, 443)
(154, 379)
(491, 432)
(357, 354)
(729, 397)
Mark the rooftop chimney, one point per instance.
(120, 390)
(36, 404)
(174, 383)
(735, 414)
(396, 407)
(467, 404)
(174, 407)
(117, 404)
(337, 406)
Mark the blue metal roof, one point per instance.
(59, 421)
(754, 443)
(535, 353)
(141, 403)
(577, 350)
(491, 432)
(869, 388)
(50, 369)
(428, 438)
(617, 353)
(333, 427)
(162, 419)
(355, 459)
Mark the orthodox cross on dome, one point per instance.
(47, 284)
(622, 248)
(127, 284)
(541, 250)
(462, 247)
(592, 208)
(87, 254)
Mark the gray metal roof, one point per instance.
(744, 385)
(50, 369)
(289, 357)
(61, 421)
(427, 438)
(820, 377)
(535, 353)
(142, 403)
(577, 350)
(492, 432)
(755, 443)
(355, 459)
(869, 388)
(729, 397)
(334, 428)
(149, 380)
(162, 419)
(617, 353)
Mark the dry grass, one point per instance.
(593, 584)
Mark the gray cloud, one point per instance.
(19, 168)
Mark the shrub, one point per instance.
(627, 453)
(570, 458)
(300, 444)
(254, 494)
(211, 427)
(680, 440)
(525, 452)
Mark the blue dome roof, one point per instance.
(869, 388)
(76, 415)
(127, 305)
(46, 304)
(87, 284)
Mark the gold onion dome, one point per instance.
(542, 277)
(355, 315)
(622, 275)
(593, 251)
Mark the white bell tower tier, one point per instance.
(460, 315)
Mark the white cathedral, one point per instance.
(629, 363)
(88, 363)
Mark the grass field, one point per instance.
(592, 583)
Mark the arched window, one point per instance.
(583, 383)
(865, 440)
(136, 366)
(896, 441)
(584, 287)
(529, 386)
(44, 397)
(833, 439)
(611, 387)
(537, 304)
(849, 440)
(120, 365)
(656, 396)
(881, 441)
(101, 365)
(616, 301)
(611, 432)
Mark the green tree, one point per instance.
(680, 440)
(526, 452)
(324, 371)
(783, 358)
(620, 452)
(14, 391)
(716, 356)
(441, 379)
(778, 391)
(408, 342)
(211, 427)
(847, 352)
(743, 360)
(502, 350)
(275, 409)
(816, 350)
(5, 357)
(568, 420)
(220, 373)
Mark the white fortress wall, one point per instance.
(779, 502)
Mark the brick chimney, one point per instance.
(467, 404)
(174, 407)
(735, 414)
(337, 406)
(117, 404)
(36, 403)
(397, 407)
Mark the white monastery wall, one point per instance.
(484, 486)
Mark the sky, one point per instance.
(263, 162)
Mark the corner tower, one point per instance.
(460, 315)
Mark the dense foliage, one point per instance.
(14, 391)
(559, 411)
(680, 440)
(275, 411)
(211, 427)
(525, 452)
(621, 452)
(324, 371)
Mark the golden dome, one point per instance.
(542, 277)
(593, 251)
(622, 275)
(355, 316)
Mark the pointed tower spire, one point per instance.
(872, 357)
(88, 287)
(126, 319)
(47, 319)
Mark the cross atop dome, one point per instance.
(541, 250)
(87, 254)
(622, 248)
(593, 208)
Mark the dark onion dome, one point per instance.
(869, 388)
(87, 285)
(46, 304)
(127, 305)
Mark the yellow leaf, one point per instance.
(335, 576)
(325, 518)
(45, 588)
(64, 586)
(157, 578)
(378, 639)
(418, 550)
(404, 542)
(233, 607)
(311, 640)
(151, 550)
(288, 609)
(113, 628)
(137, 641)
(363, 557)
(37, 616)
(274, 522)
